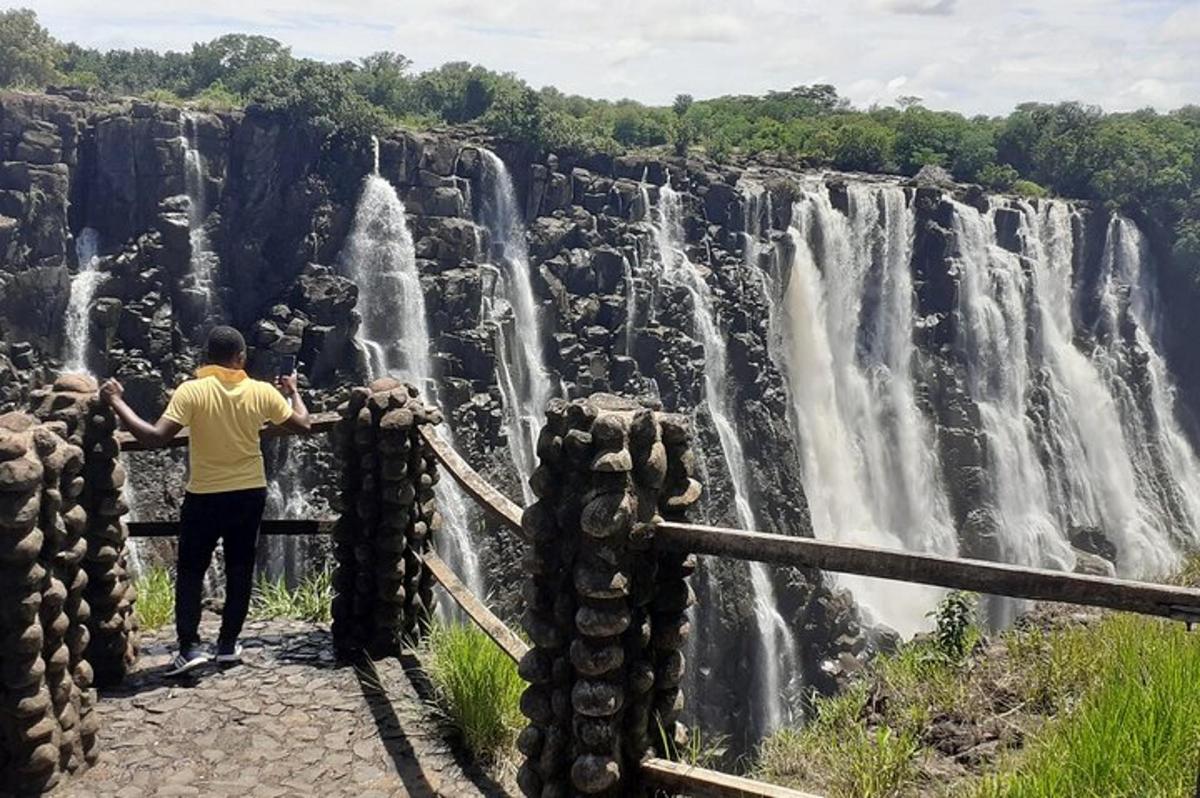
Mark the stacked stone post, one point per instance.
(605, 612)
(47, 701)
(108, 587)
(384, 591)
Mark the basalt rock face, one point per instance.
(244, 218)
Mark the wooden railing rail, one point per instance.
(492, 500)
(1014, 581)
(284, 527)
(321, 422)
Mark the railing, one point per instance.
(975, 575)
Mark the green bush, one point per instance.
(478, 689)
(155, 606)
(954, 619)
(1028, 188)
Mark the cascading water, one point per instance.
(83, 289)
(380, 258)
(78, 340)
(867, 455)
(778, 647)
(1077, 417)
(524, 381)
(203, 260)
(1167, 468)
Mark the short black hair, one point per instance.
(224, 345)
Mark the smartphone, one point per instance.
(287, 365)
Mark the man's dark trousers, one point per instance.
(234, 518)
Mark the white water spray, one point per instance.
(379, 256)
(83, 290)
(778, 647)
(867, 455)
(524, 381)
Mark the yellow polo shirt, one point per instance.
(225, 410)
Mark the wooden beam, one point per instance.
(321, 422)
(484, 618)
(286, 527)
(999, 579)
(492, 500)
(679, 778)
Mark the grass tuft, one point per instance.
(311, 600)
(1134, 733)
(478, 689)
(155, 606)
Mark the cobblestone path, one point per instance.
(289, 721)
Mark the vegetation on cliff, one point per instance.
(1068, 703)
(1146, 163)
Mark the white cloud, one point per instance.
(928, 7)
(975, 56)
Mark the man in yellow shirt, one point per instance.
(227, 488)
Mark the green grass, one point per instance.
(478, 689)
(838, 753)
(1134, 734)
(311, 600)
(155, 604)
(1105, 709)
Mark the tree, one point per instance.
(28, 54)
(241, 62)
(384, 80)
(681, 105)
(863, 145)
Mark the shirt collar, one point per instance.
(221, 373)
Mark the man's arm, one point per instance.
(298, 421)
(149, 435)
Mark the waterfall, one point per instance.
(1092, 472)
(842, 336)
(203, 260)
(778, 647)
(630, 304)
(524, 382)
(379, 256)
(1167, 469)
(83, 289)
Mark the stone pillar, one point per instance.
(605, 613)
(110, 594)
(47, 719)
(384, 592)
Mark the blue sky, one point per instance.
(976, 56)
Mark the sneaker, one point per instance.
(229, 653)
(189, 658)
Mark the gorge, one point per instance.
(905, 364)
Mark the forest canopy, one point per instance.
(1144, 161)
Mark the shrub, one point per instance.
(955, 620)
(478, 689)
(1028, 188)
(155, 605)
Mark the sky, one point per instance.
(973, 56)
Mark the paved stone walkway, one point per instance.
(288, 722)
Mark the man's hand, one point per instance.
(111, 392)
(287, 384)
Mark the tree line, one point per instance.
(1142, 162)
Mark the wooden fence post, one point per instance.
(606, 614)
(384, 592)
